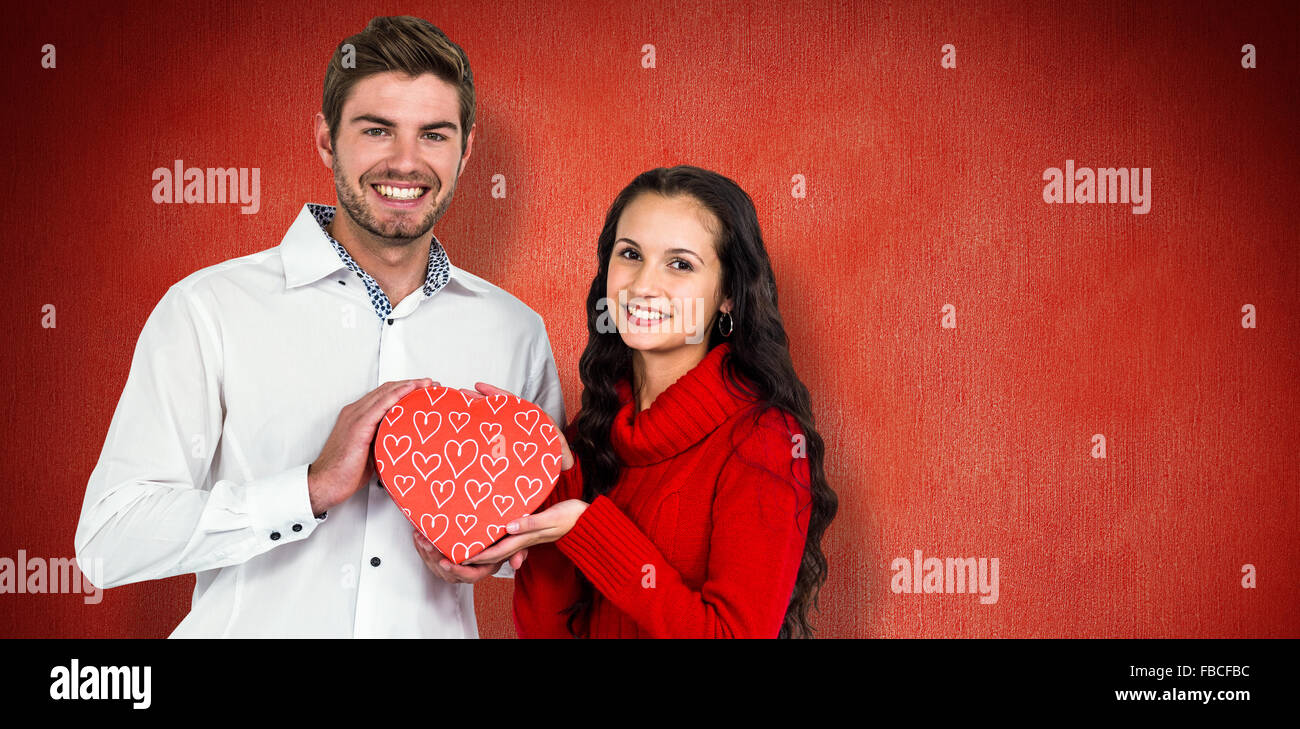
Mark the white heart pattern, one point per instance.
(441, 491)
(529, 417)
(548, 432)
(555, 461)
(465, 522)
(494, 467)
(525, 451)
(460, 459)
(465, 551)
(391, 440)
(503, 502)
(427, 424)
(421, 463)
(432, 520)
(394, 414)
(489, 431)
(477, 488)
(404, 481)
(534, 486)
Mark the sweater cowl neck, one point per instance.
(680, 417)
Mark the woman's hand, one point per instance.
(526, 531)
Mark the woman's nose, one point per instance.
(646, 285)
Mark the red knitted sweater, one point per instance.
(703, 533)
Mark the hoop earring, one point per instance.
(731, 324)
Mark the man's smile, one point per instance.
(402, 193)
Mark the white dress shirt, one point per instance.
(236, 382)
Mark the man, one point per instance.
(240, 449)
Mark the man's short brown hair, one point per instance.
(400, 43)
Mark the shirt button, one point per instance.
(343, 283)
(374, 561)
(297, 527)
(390, 321)
(275, 536)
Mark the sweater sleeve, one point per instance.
(547, 583)
(760, 518)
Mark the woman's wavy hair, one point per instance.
(758, 364)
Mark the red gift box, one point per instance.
(462, 467)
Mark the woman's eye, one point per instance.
(626, 252)
(686, 266)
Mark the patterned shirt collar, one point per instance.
(436, 275)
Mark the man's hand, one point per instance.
(442, 567)
(346, 462)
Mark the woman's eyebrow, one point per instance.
(670, 251)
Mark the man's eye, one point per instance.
(375, 129)
(436, 136)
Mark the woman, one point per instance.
(699, 502)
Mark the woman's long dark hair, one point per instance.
(759, 363)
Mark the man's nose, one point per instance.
(405, 158)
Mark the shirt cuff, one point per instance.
(279, 506)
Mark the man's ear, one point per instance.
(321, 136)
(469, 147)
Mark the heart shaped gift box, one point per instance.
(462, 467)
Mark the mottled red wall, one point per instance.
(923, 189)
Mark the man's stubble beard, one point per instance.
(399, 233)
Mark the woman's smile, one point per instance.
(643, 316)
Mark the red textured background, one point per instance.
(923, 189)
